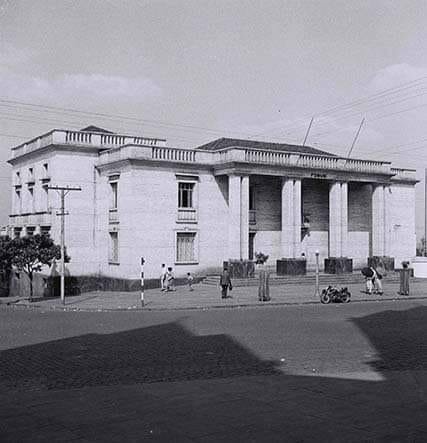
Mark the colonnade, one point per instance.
(291, 218)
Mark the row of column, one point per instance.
(238, 197)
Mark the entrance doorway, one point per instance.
(251, 245)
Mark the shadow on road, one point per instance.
(234, 395)
(165, 352)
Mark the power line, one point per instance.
(113, 116)
(376, 96)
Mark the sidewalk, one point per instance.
(207, 297)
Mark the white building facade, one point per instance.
(195, 208)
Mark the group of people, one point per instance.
(373, 280)
(167, 279)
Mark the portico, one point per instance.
(295, 216)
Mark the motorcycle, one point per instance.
(335, 295)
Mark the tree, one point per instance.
(6, 255)
(32, 252)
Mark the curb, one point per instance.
(204, 308)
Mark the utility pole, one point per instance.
(355, 138)
(63, 191)
(308, 131)
(425, 212)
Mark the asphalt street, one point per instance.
(353, 372)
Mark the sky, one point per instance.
(192, 71)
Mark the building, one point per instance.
(195, 208)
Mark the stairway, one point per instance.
(308, 279)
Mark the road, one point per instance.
(354, 372)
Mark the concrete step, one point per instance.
(309, 279)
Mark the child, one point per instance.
(170, 285)
(190, 280)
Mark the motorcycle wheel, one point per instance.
(346, 297)
(325, 298)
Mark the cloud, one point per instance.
(396, 75)
(77, 87)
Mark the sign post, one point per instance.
(142, 281)
(317, 291)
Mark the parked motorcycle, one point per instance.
(335, 295)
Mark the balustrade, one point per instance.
(271, 157)
(133, 147)
(187, 215)
(172, 154)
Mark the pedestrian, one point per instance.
(378, 287)
(163, 277)
(225, 283)
(170, 280)
(404, 279)
(373, 280)
(369, 274)
(190, 280)
(264, 287)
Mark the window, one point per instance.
(45, 230)
(18, 205)
(30, 230)
(31, 191)
(186, 247)
(17, 232)
(185, 195)
(114, 189)
(46, 167)
(114, 247)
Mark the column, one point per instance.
(378, 221)
(291, 218)
(387, 226)
(234, 211)
(297, 219)
(287, 238)
(338, 219)
(344, 220)
(244, 218)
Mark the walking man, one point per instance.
(225, 283)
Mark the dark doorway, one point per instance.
(251, 245)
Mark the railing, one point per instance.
(123, 146)
(317, 162)
(242, 155)
(77, 137)
(113, 216)
(187, 215)
(183, 155)
(400, 173)
(270, 157)
(366, 165)
(36, 218)
(252, 216)
(83, 138)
